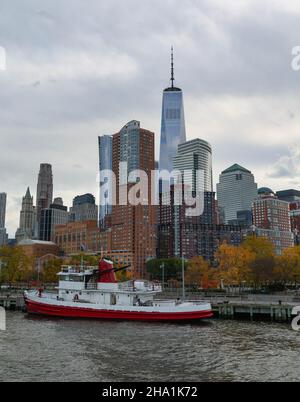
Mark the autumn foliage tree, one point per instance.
(234, 264)
(16, 266)
(199, 274)
(263, 265)
(287, 267)
(50, 270)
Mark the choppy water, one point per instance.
(41, 349)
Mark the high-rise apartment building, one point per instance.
(190, 236)
(236, 191)
(133, 227)
(27, 224)
(172, 125)
(105, 165)
(44, 194)
(84, 209)
(271, 219)
(293, 198)
(3, 234)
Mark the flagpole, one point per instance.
(183, 279)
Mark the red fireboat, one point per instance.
(95, 293)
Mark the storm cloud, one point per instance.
(78, 69)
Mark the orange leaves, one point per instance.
(199, 274)
(234, 264)
(288, 265)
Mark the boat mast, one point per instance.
(183, 278)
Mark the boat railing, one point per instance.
(75, 269)
(147, 287)
(51, 296)
(197, 302)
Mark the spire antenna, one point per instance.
(172, 67)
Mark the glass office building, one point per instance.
(105, 164)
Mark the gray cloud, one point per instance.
(79, 69)
(287, 166)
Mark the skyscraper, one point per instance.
(236, 191)
(193, 156)
(132, 227)
(3, 235)
(2, 209)
(27, 218)
(44, 194)
(105, 164)
(172, 123)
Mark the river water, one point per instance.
(42, 349)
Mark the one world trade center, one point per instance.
(172, 123)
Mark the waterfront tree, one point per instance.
(263, 265)
(287, 269)
(234, 264)
(16, 265)
(199, 274)
(50, 270)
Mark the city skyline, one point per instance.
(246, 106)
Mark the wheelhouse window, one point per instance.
(71, 278)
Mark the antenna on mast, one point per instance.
(172, 67)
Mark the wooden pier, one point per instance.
(273, 307)
(12, 301)
(254, 310)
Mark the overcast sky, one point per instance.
(77, 69)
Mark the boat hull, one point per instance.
(41, 308)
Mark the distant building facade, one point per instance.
(244, 219)
(40, 252)
(39, 248)
(295, 220)
(201, 235)
(56, 214)
(236, 191)
(289, 195)
(271, 219)
(3, 234)
(84, 209)
(77, 237)
(293, 198)
(28, 218)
